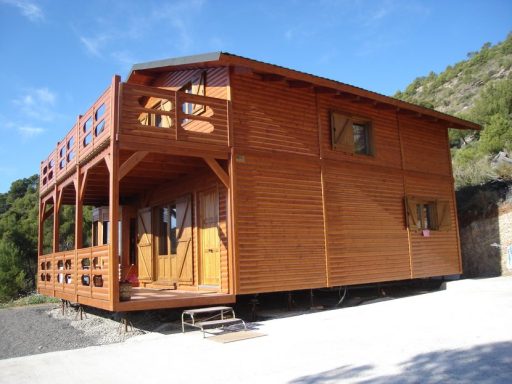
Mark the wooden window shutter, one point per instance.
(342, 133)
(411, 212)
(444, 217)
(184, 239)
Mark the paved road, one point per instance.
(462, 334)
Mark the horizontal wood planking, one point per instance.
(425, 146)
(437, 254)
(367, 238)
(279, 225)
(217, 80)
(272, 116)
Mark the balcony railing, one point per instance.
(146, 115)
(83, 272)
(160, 113)
(91, 131)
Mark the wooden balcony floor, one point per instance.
(146, 299)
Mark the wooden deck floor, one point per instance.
(146, 299)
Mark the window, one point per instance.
(351, 134)
(155, 119)
(195, 87)
(428, 213)
(166, 227)
(425, 213)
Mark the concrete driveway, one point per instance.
(462, 334)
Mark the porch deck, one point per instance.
(146, 298)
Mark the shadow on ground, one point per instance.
(487, 364)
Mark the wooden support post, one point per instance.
(78, 210)
(40, 229)
(113, 161)
(56, 208)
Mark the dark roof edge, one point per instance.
(184, 60)
(229, 58)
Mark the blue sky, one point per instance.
(57, 56)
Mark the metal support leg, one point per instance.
(254, 303)
(290, 301)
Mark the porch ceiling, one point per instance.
(155, 169)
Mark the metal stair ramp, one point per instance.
(209, 318)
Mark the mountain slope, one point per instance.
(478, 89)
(455, 90)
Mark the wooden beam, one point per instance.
(325, 90)
(108, 161)
(47, 213)
(83, 184)
(79, 219)
(299, 84)
(270, 77)
(56, 199)
(218, 170)
(113, 166)
(130, 163)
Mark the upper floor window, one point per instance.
(351, 134)
(196, 86)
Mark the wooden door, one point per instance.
(165, 253)
(144, 245)
(184, 272)
(209, 264)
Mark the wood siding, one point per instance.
(287, 175)
(367, 238)
(279, 225)
(217, 81)
(272, 117)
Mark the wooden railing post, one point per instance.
(177, 107)
(114, 193)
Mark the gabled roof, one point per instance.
(143, 73)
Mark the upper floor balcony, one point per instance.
(140, 118)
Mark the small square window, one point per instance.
(428, 213)
(352, 135)
(362, 138)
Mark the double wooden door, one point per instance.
(175, 264)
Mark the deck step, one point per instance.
(217, 323)
(211, 322)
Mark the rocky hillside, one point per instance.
(477, 89)
(455, 90)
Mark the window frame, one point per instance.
(343, 140)
(171, 242)
(196, 86)
(427, 213)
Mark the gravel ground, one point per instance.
(32, 330)
(43, 328)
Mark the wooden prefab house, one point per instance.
(215, 175)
